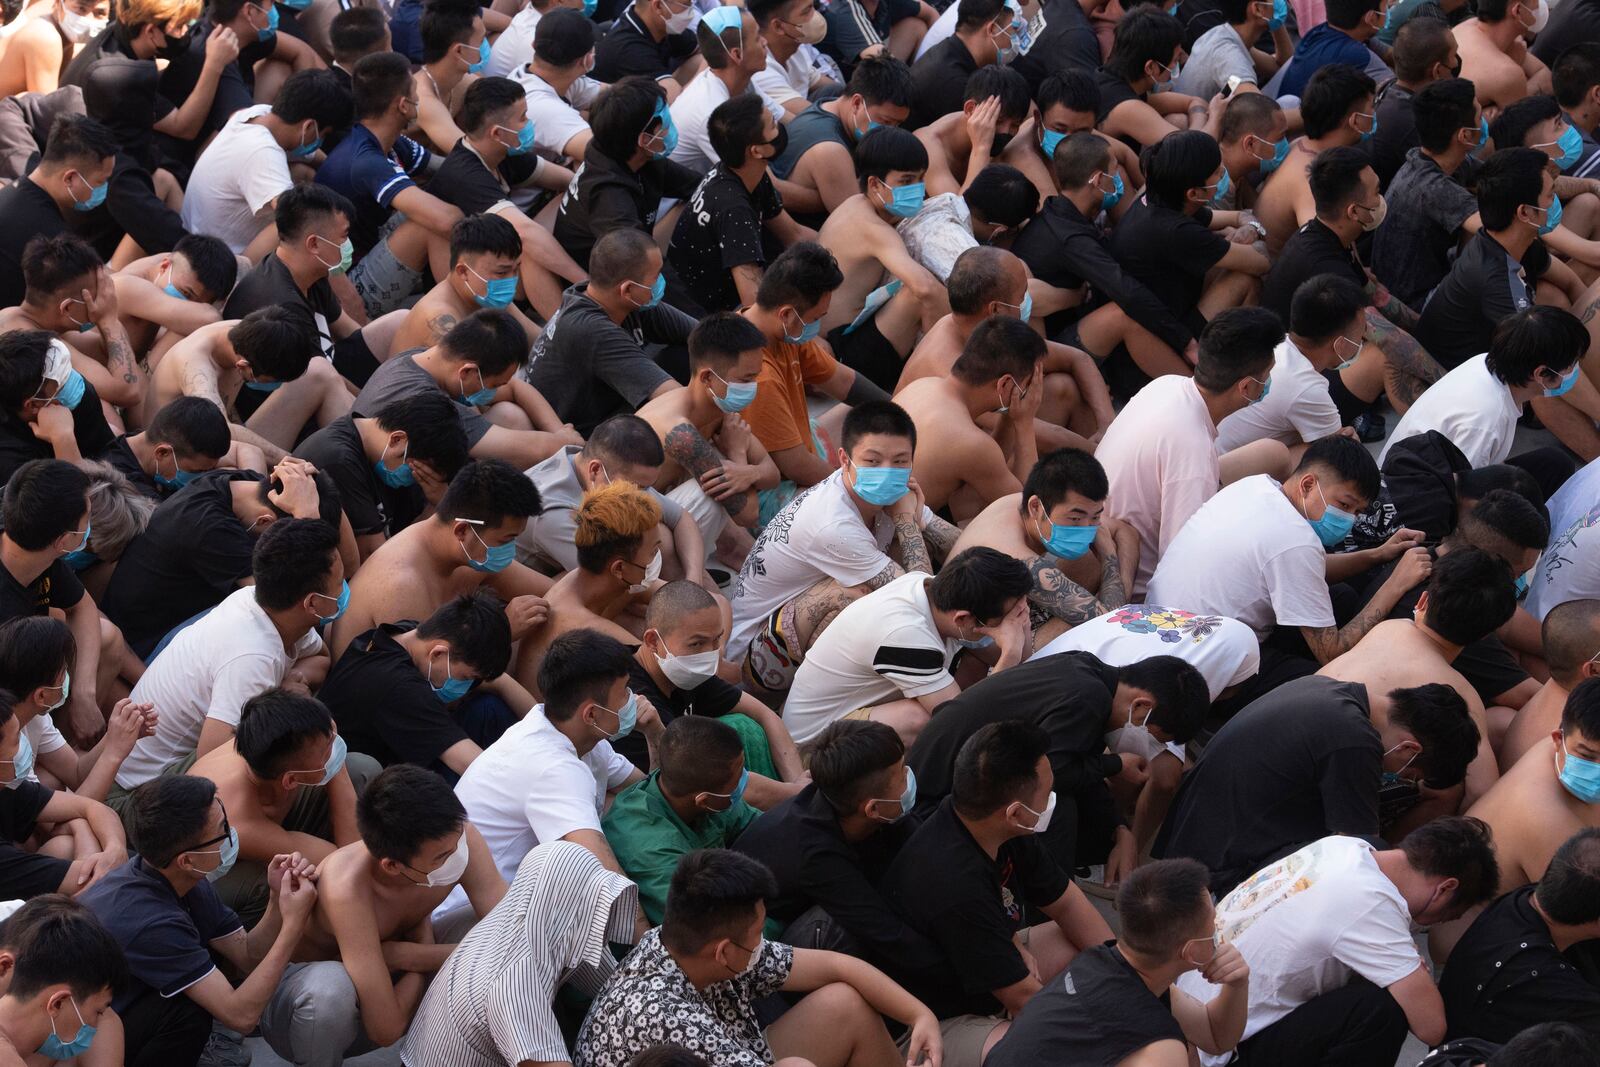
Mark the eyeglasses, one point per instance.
(227, 832)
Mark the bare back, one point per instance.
(1531, 814)
(189, 370)
(1285, 201)
(934, 355)
(850, 234)
(399, 581)
(947, 440)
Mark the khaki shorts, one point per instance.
(964, 1037)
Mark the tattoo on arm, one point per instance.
(696, 456)
(1589, 311)
(884, 577)
(913, 549)
(1411, 369)
(1061, 596)
(197, 382)
(119, 359)
(940, 536)
(1112, 592)
(440, 325)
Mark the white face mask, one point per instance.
(78, 27)
(1135, 738)
(450, 872)
(688, 672)
(651, 573)
(1044, 817)
(679, 21)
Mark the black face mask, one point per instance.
(779, 143)
(1455, 71)
(999, 143)
(175, 46)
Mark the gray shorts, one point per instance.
(382, 280)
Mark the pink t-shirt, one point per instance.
(1160, 455)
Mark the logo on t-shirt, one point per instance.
(1171, 625)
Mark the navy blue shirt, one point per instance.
(1323, 45)
(165, 938)
(371, 178)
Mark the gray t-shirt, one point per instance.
(1411, 250)
(546, 543)
(1219, 54)
(401, 377)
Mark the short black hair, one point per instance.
(1479, 482)
(1470, 595)
(78, 140)
(799, 278)
(1569, 890)
(1509, 179)
(1539, 336)
(1330, 95)
(1066, 470)
(1248, 113)
(675, 601)
(1143, 35)
(851, 759)
(1001, 194)
(1537, 1046)
(1344, 461)
(376, 81)
(212, 261)
(713, 895)
(876, 417)
(1511, 127)
(1003, 82)
(50, 264)
(695, 753)
(44, 499)
(318, 95)
(1582, 710)
(273, 726)
(562, 37)
(477, 630)
(34, 650)
(486, 98)
(356, 31)
(307, 207)
(1179, 689)
(489, 337)
(1335, 178)
(735, 126)
(1508, 515)
(626, 439)
(291, 560)
(997, 765)
(668, 1054)
(278, 341)
(405, 807)
(1437, 717)
(881, 79)
(718, 340)
(1237, 343)
(489, 491)
(622, 114)
(971, 14)
(885, 150)
(1000, 345)
(1324, 305)
(618, 255)
(980, 580)
(1443, 109)
(1346, 14)
(1079, 157)
(1576, 71)
(442, 27)
(433, 429)
(166, 816)
(24, 355)
(1159, 904)
(193, 426)
(484, 233)
(1459, 847)
(1075, 90)
(1177, 163)
(66, 945)
(1419, 45)
(580, 665)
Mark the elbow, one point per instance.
(1430, 1031)
(384, 1033)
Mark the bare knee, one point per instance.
(839, 1002)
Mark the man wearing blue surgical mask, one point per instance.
(74, 169)
(1254, 138)
(735, 52)
(454, 47)
(35, 421)
(187, 438)
(65, 969)
(1422, 56)
(289, 784)
(1227, 54)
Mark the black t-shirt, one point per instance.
(1506, 974)
(971, 906)
(383, 704)
(233, 86)
(605, 195)
(1097, 1011)
(1484, 286)
(26, 212)
(25, 874)
(371, 506)
(190, 557)
(1300, 763)
(1418, 490)
(1063, 39)
(57, 587)
(1312, 250)
(123, 91)
(463, 179)
(122, 459)
(1069, 696)
(1169, 252)
(1570, 24)
(721, 228)
(712, 697)
(1114, 90)
(18, 444)
(269, 282)
(939, 81)
(1396, 134)
(627, 48)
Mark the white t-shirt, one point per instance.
(1471, 407)
(819, 534)
(43, 736)
(691, 114)
(240, 172)
(944, 26)
(782, 82)
(531, 786)
(1297, 408)
(208, 671)
(1570, 566)
(1308, 924)
(1248, 554)
(514, 47)
(884, 646)
(556, 119)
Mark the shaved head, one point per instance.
(1571, 637)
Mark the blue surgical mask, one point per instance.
(808, 332)
(172, 290)
(304, 150)
(57, 1049)
(498, 292)
(1280, 14)
(1114, 197)
(657, 290)
(1580, 776)
(1333, 525)
(80, 559)
(1366, 135)
(399, 476)
(1223, 188)
(495, 559)
(1266, 387)
(483, 57)
(1522, 586)
(22, 762)
(342, 600)
(71, 392)
(484, 394)
(1026, 312)
(737, 795)
(264, 387)
(906, 200)
(1483, 134)
(882, 486)
(267, 32)
(179, 479)
(97, 195)
(1172, 73)
(1050, 141)
(88, 528)
(1280, 152)
(590, 7)
(907, 801)
(1571, 144)
(1068, 542)
(1568, 380)
(347, 253)
(1552, 216)
(229, 855)
(627, 716)
(668, 132)
(453, 689)
(336, 757)
(524, 143)
(738, 396)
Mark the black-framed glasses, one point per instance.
(227, 832)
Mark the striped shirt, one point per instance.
(490, 1004)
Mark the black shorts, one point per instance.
(1348, 403)
(28, 874)
(354, 359)
(868, 352)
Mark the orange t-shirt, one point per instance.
(778, 415)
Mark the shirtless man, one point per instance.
(619, 565)
(1081, 560)
(1571, 637)
(286, 788)
(1146, 53)
(455, 50)
(989, 281)
(960, 467)
(42, 45)
(887, 297)
(1337, 110)
(1495, 55)
(1468, 595)
(1067, 104)
(961, 143)
(485, 253)
(469, 542)
(177, 292)
(373, 920)
(268, 351)
(714, 464)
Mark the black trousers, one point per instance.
(164, 1031)
(1359, 1025)
(1550, 467)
